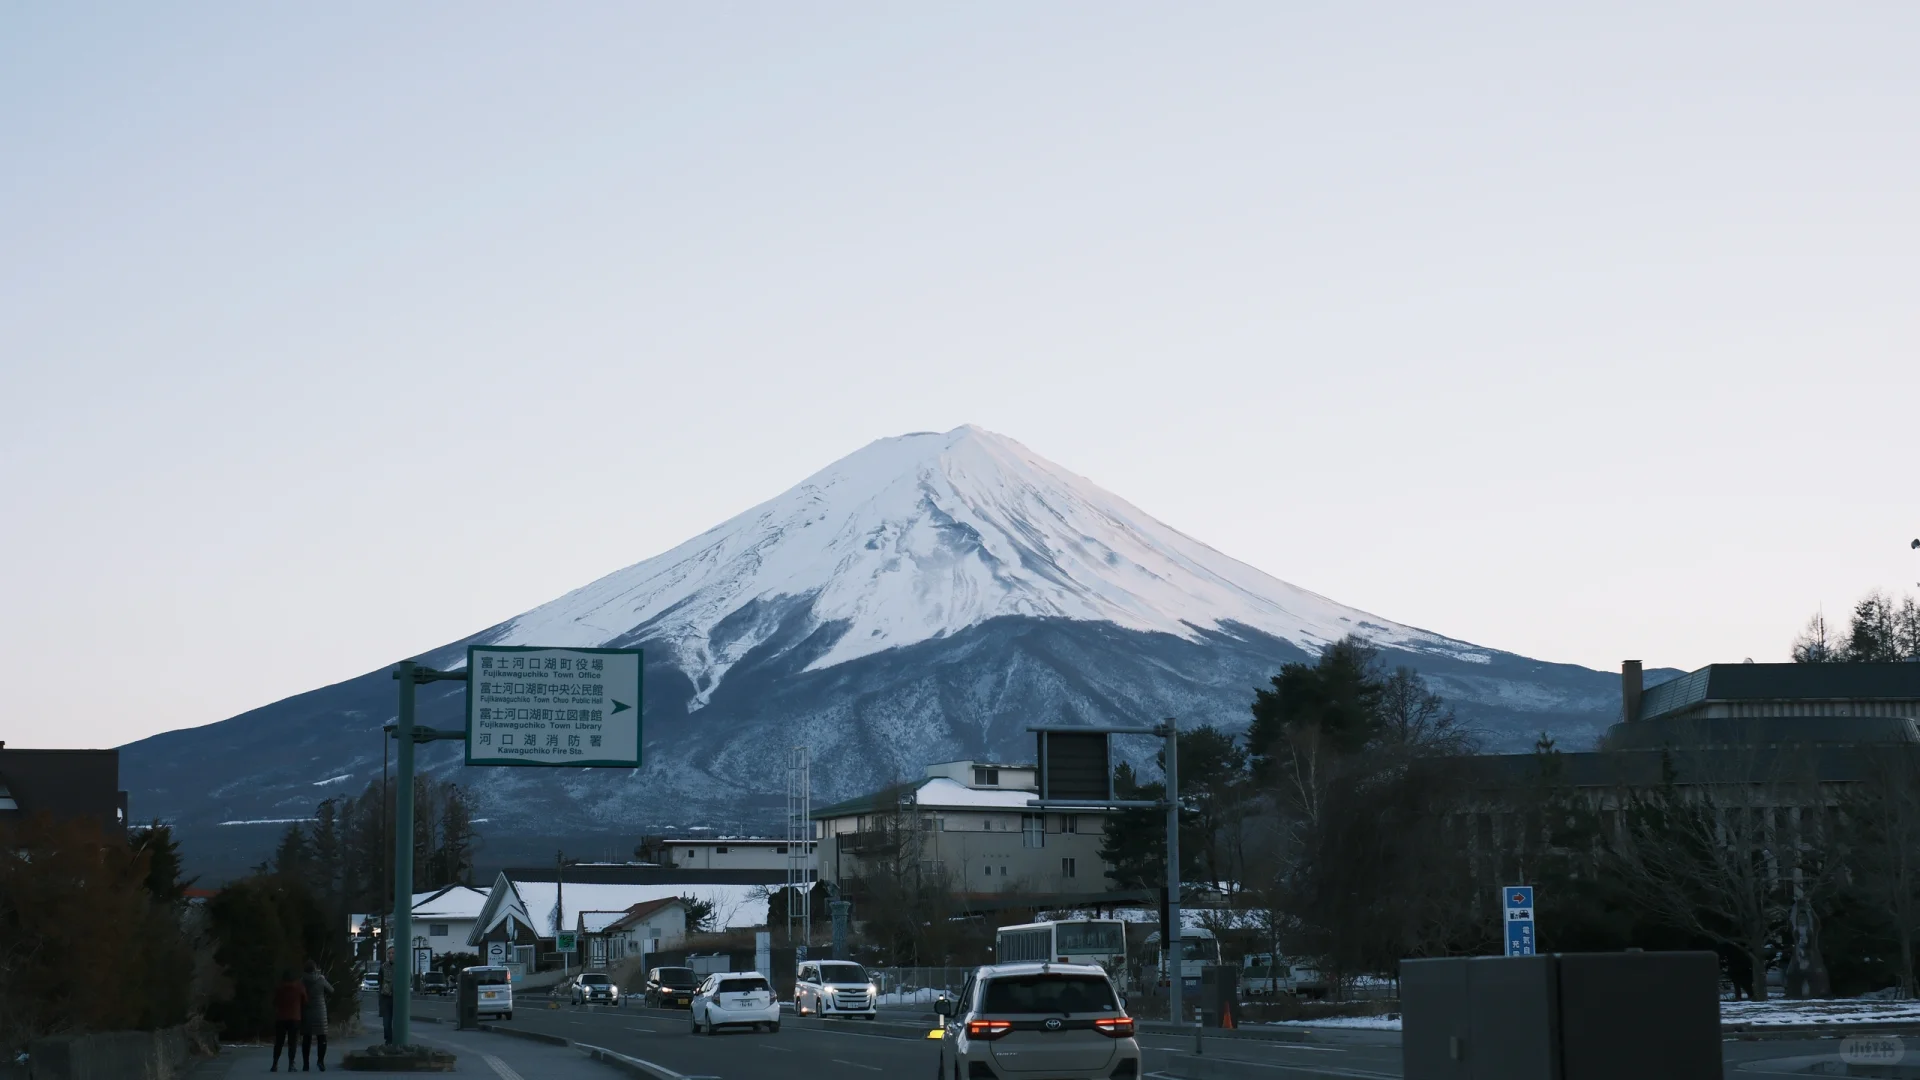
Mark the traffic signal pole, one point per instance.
(1170, 945)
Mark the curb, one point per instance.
(646, 1070)
(530, 1036)
(633, 1066)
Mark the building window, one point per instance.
(990, 874)
(986, 777)
(1033, 830)
(781, 849)
(1070, 823)
(439, 929)
(687, 853)
(722, 850)
(1066, 868)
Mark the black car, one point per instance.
(435, 983)
(671, 987)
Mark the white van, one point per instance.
(833, 988)
(494, 991)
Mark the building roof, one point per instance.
(934, 793)
(741, 841)
(1782, 682)
(532, 902)
(641, 912)
(452, 902)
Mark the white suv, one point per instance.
(1061, 1021)
(833, 988)
(738, 998)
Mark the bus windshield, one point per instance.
(1192, 948)
(1101, 938)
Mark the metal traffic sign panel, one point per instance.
(541, 706)
(1517, 902)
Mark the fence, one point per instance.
(906, 986)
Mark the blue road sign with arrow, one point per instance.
(1517, 902)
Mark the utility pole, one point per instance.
(386, 857)
(559, 896)
(1174, 944)
(409, 675)
(403, 862)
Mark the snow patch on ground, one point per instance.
(1839, 1013)
(1367, 1023)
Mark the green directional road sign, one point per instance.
(541, 706)
(563, 941)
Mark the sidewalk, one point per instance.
(498, 1057)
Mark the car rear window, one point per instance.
(1049, 993)
(742, 986)
(492, 976)
(677, 977)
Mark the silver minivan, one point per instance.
(1060, 1021)
(833, 988)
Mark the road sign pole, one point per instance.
(403, 858)
(1171, 947)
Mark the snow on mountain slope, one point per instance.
(924, 535)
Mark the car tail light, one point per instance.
(1118, 1027)
(990, 1029)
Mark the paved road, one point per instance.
(853, 1048)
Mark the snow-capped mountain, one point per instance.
(926, 535)
(924, 598)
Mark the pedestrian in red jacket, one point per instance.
(289, 999)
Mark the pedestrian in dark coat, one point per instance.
(289, 999)
(313, 1022)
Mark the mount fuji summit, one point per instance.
(923, 599)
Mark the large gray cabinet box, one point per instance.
(1565, 1016)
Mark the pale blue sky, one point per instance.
(1587, 333)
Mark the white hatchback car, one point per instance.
(738, 998)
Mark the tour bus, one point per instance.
(1198, 948)
(1067, 941)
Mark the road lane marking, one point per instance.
(506, 1071)
(1310, 1070)
(857, 1065)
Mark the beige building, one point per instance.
(723, 853)
(968, 820)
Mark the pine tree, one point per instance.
(164, 882)
(1872, 638)
(1906, 627)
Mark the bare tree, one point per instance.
(1816, 643)
(1724, 857)
(1884, 859)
